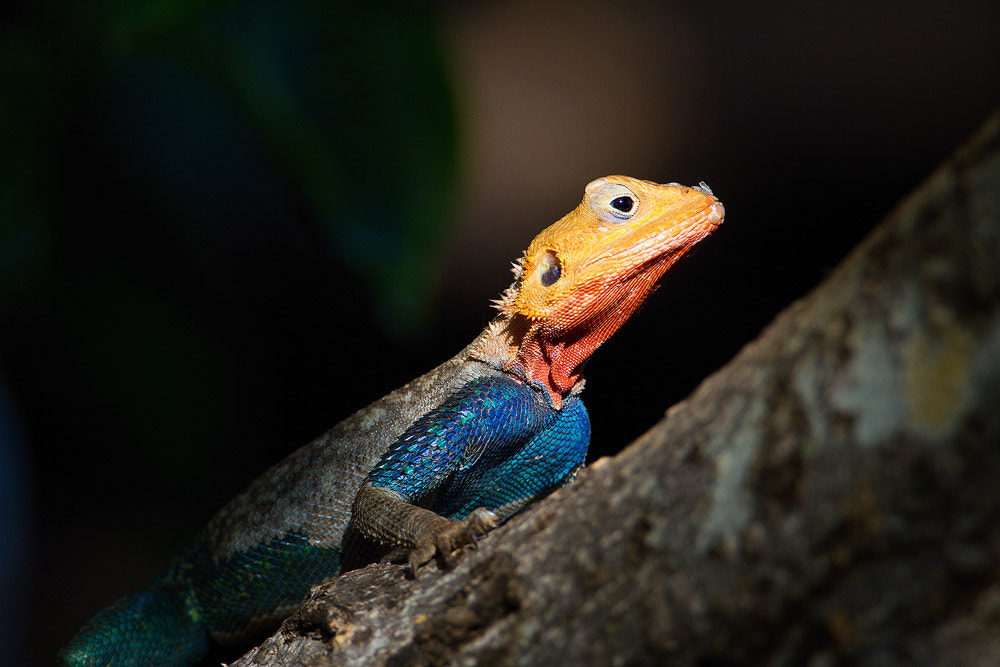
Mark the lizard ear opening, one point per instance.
(550, 269)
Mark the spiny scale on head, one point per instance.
(497, 327)
(505, 304)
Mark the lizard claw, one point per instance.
(452, 536)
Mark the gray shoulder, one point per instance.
(310, 491)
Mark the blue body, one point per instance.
(495, 443)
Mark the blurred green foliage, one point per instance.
(332, 116)
(203, 205)
(184, 184)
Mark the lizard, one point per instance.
(431, 466)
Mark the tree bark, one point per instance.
(831, 496)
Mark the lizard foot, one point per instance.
(451, 536)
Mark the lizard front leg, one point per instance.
(443, 460)
(492, 447)
(385, 516)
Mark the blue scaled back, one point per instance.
(495, 443)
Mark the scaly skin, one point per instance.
(426, 468)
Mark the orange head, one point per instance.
(584, 276)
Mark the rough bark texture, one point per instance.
(830, 496)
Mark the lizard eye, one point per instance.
(614, 202)
(623, 204)
(551, 269)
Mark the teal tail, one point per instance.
(230, 600)
(154, 627)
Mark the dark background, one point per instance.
(225, 226)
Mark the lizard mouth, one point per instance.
(660, 242)
(717, 211)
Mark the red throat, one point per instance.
(555, 357)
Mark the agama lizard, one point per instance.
(427, 468)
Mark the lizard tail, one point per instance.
(154, 627)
